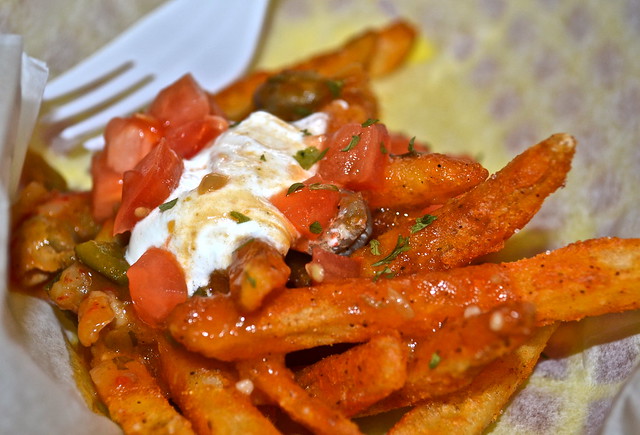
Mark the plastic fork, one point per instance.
(214, 40)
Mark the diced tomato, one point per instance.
(399, 144)
(156, 284)
(310, 208)
(326, 266)
(181, 102)
(187, 139)
(356, 156)
(128, 140)
(147, 185)
(107, 188)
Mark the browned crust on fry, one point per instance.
(450, 359)
(472, 409)
(345, 380)
(205, 391)
(479, 221)
(420, 180)
(357, 309)
(276, 381)
(134, 399)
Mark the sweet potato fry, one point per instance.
(471, 410)
(345, 380)
(419, 180)
(479, 221)
(377, 52)
(451, 358)
(256, 269)
(205, 391)
(584, 279)
(134, 399)
(393, 44)
(272, 377)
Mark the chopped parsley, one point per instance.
(168, 205)
(315, 227)
(352, 143)
(435, 360)
(239, 217)
(412, 141)
(383, 149)
(335, 87)
(374, 245)
(263, 158)
(305, 132)
(402, 245)
(294, 188)
(251, 280)
(309, 156)
(369, 122)
(422, 222)
(384, 273)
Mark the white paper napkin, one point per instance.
(39, 394)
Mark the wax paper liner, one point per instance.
(487, 78)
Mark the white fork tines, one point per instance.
(214, 40)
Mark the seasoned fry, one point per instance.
(377, 52)
(134, 399)
(451, 358)
(392, 47)
(583, 279)
(472, 409)
(205, 391)
(481, 220)
(272, 377)
(420, 180)
(255, 270)
(345, 380)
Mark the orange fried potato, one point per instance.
(256, 268)
(356, 379)
(583, 279)
(377, 52)
(276, 381)
(472, 409)
(134, 399)
(205, 390)
(451, 358)
(479, 221)
(419, 180)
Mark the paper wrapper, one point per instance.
(489, 78)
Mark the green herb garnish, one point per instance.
(263, 158)
(335, 87)
(167, 205)
(309, 156)
(239, 217)
(251, 280)
(422, 222)
(305, 132)
(315, 227)
(402, 245)
(384, 273)
(354, 141)
(294, 188)
(374, 245)
(435, 360)
(369, 122)
(383, 149)
(411, 145)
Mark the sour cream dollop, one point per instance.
(255, 160)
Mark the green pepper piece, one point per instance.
(107, 258)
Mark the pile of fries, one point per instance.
(423, 328)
